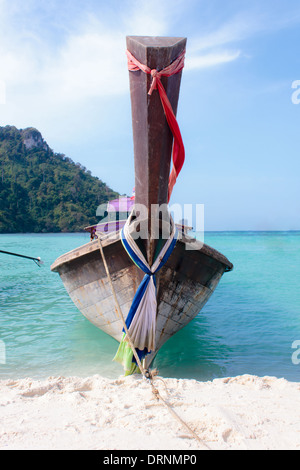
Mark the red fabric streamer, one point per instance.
(178, 153)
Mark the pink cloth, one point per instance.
(178, 154)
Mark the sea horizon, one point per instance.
(192, 231)
(248, 326)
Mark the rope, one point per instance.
(178, 154)
(37, 261)
(148, 375)
(119, 311)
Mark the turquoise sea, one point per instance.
(249, 326)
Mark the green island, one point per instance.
(44, 191)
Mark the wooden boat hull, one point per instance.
(184, 284)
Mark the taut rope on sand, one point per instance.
(147, 374)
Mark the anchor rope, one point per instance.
(148, 375)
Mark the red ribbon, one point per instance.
(178, 153)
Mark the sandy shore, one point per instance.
(244, 412)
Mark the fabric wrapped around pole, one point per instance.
(141, 319)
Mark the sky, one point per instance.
(63, 71)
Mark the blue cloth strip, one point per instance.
(136, 300)
(133, 256)
(143, 285)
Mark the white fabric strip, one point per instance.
(143, 325)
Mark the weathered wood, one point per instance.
(152, 137)
(184, 284)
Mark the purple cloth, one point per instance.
(122, 204)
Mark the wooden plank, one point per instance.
(152, 137)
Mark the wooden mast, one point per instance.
(152, 137)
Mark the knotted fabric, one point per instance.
(176, 66)
(141, 319)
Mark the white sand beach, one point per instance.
(244, 412)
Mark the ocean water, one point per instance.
(251, 324)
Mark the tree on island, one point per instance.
(43, 191)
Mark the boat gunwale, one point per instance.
(107, 240)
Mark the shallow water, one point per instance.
(248, 326)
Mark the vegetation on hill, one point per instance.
(43, 191)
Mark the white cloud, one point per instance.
(211, 59)
(89, 61)
(86, 58)
(2, 92)
(87, 65)
(211, 48)
(149, 18)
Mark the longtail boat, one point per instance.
(161, 278)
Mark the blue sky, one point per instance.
(63, 71)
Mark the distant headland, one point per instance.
(44, 191)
